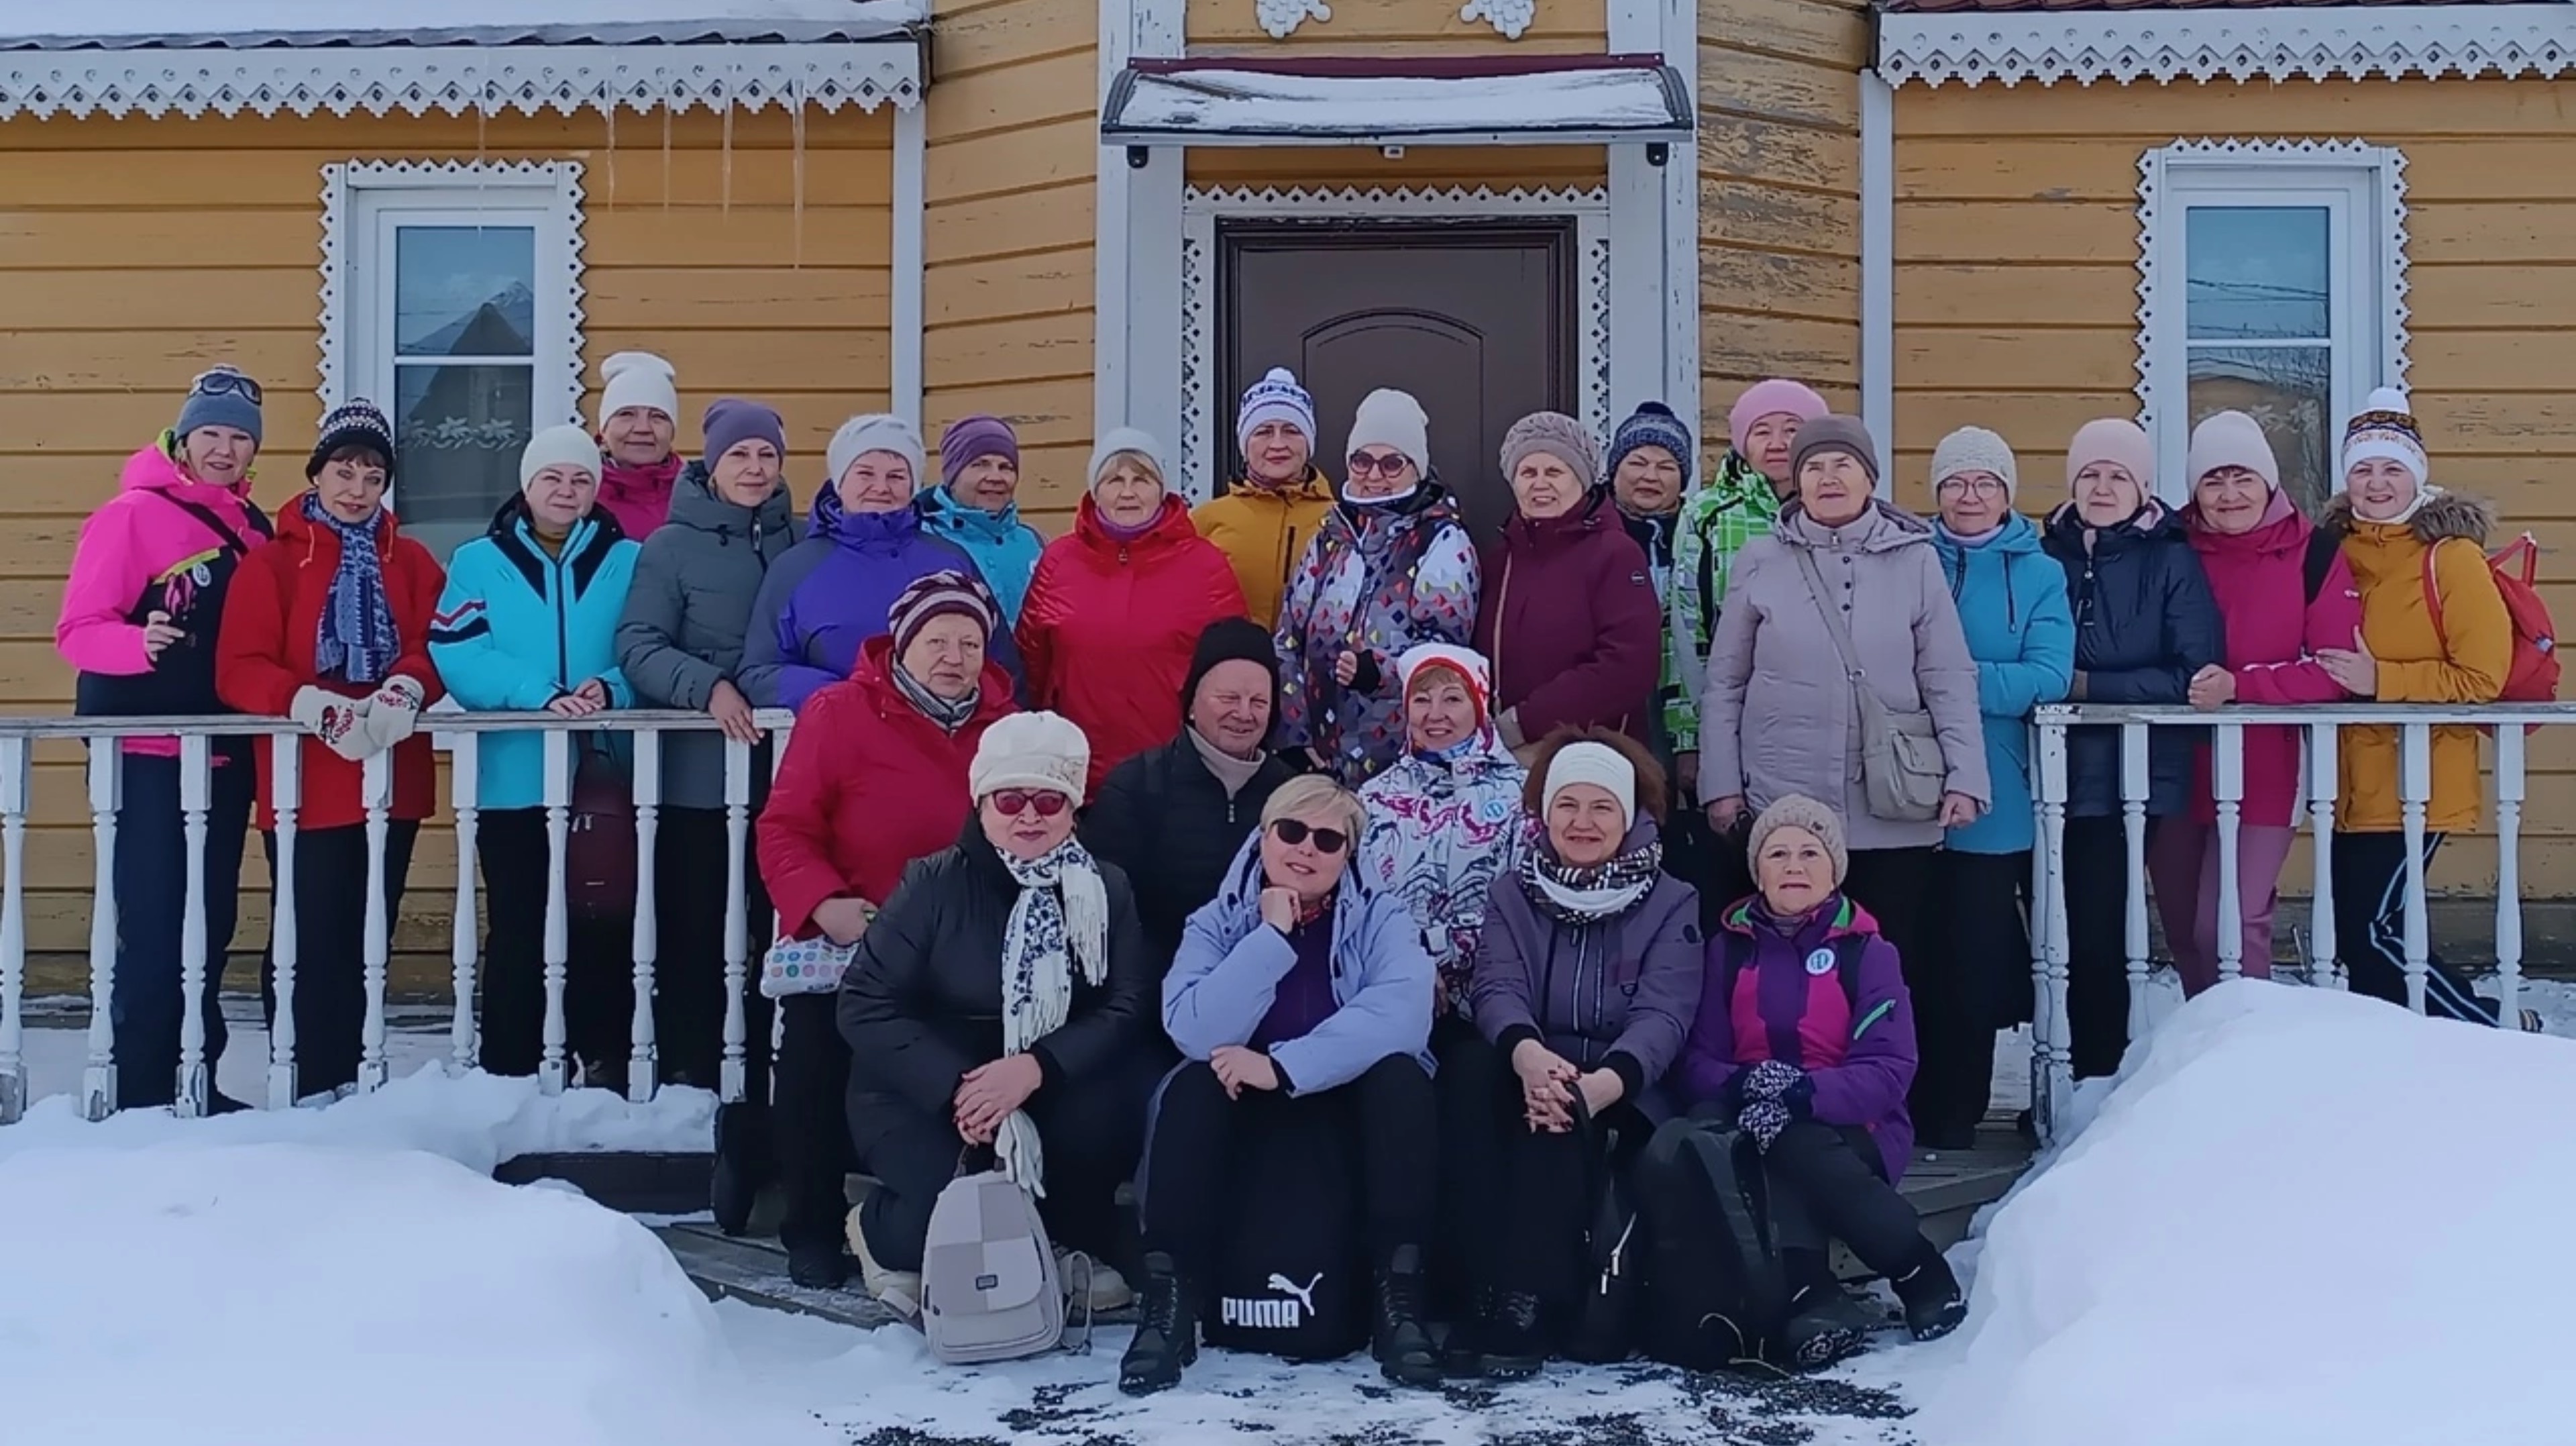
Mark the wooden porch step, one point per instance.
(754, 1271)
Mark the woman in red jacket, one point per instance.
(1118, 604)
(328, 623)
(2285, 594)
(1568, 615)
(874, 778)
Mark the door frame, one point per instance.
(1200, 298)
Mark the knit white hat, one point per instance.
(1041, 751)
(2386, 427)
(1467, 663)
(2232, 439)
(875, 432)
(1126, 439)
(636, 379)
(1393, 419)
(564, 446)
(1274, 398)
(1974, 449)
(1595, 763)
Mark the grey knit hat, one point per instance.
(1835, 433)
(1557, 435)
(1974, 449)
(1800, 812)
(221, 397)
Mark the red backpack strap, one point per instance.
(2433, 600)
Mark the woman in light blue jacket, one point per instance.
(1299, 995)
(1974, 977)
(529, 622)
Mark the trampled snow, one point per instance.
(301, 1295)
(2298, 1217)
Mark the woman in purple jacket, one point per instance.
(1797, 1066)
(1585, 975)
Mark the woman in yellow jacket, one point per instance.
(1267, 517)
(2433, 630)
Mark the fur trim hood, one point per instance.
(2449, 515)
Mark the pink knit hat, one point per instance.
(2233, 439)
(1763, 398)
(2117, 440)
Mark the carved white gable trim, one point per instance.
(1280, 18)
(553, 185)
(1201, 208)
(1512, 18)
(457, 79)
(2204, 44)
(2161, 310)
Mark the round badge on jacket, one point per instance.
(1821, 962)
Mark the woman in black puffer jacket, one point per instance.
(2145, 623)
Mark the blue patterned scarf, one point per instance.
(356, 642)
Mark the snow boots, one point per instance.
(1398, 1339)
(1167, 1331)
(1934, 1306)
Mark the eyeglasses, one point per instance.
(1293, 832)
(1392, 464)
(1970, 487)
(1011, 802)
(224, 381)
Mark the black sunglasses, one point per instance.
(1293, 832)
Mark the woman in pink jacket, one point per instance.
(140, 610)
(2284, 595)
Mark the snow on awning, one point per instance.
(159, 57)
(1519, 100)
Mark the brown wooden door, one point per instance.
(1477, 322)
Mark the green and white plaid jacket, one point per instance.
(1735, 507)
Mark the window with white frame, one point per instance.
(452, 299)
(2274, 284)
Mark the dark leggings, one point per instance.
(1490, 1154)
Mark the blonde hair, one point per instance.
(1138, 460)
(1313, 793)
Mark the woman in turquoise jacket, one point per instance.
(1973, 979)
(529, 622)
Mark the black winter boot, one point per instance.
(1515, 1345)
(1400, 1342)
(1462, 1354)
(1933, 1305)
(1167, 1330)
(1825, 1325)
(742, 1165)
(818, 1264)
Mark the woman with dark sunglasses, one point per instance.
(1587, 977)
(1302, 999)
(1390, 568)
(998, 1001)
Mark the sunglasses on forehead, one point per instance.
(225, 382)
(1293, 832)
(1011, 802)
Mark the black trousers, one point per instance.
(1975, 946)
(151, 866)
(330, 997)
(1518, 1200)
(809, 1125)
(689, 887)
(1390, 1111)
(1895, 885)
(599, 982)
(1817, 1184)
(2370, 928)
(1091, 1130)
(2097, 943)
(1730, 870)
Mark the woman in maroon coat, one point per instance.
(874, 778)
(1568, 615)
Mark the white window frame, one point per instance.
(365, 202)
(2362, 186)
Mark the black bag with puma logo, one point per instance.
(1292, 1277)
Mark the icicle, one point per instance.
(610, 98)
(796, 167)
(482, 120)
(667, 108)
(724, 164)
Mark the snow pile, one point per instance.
(475, 1119)
(2301, 1216)
(289, 1295)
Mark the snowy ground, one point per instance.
(350, 1239)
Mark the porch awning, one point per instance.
(1466, 101)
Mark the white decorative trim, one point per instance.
(911, 160)
(1280, 18)
(1201, 208)
(457, 79)
(2202, 43)
(556, 184)
(1511, 17)
(1878, 272)
(2385, 169)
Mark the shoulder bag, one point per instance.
(1901, 770)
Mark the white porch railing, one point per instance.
(2052, 1064)
(462, 732)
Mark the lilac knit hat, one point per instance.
(731, 420)
(971, 438)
